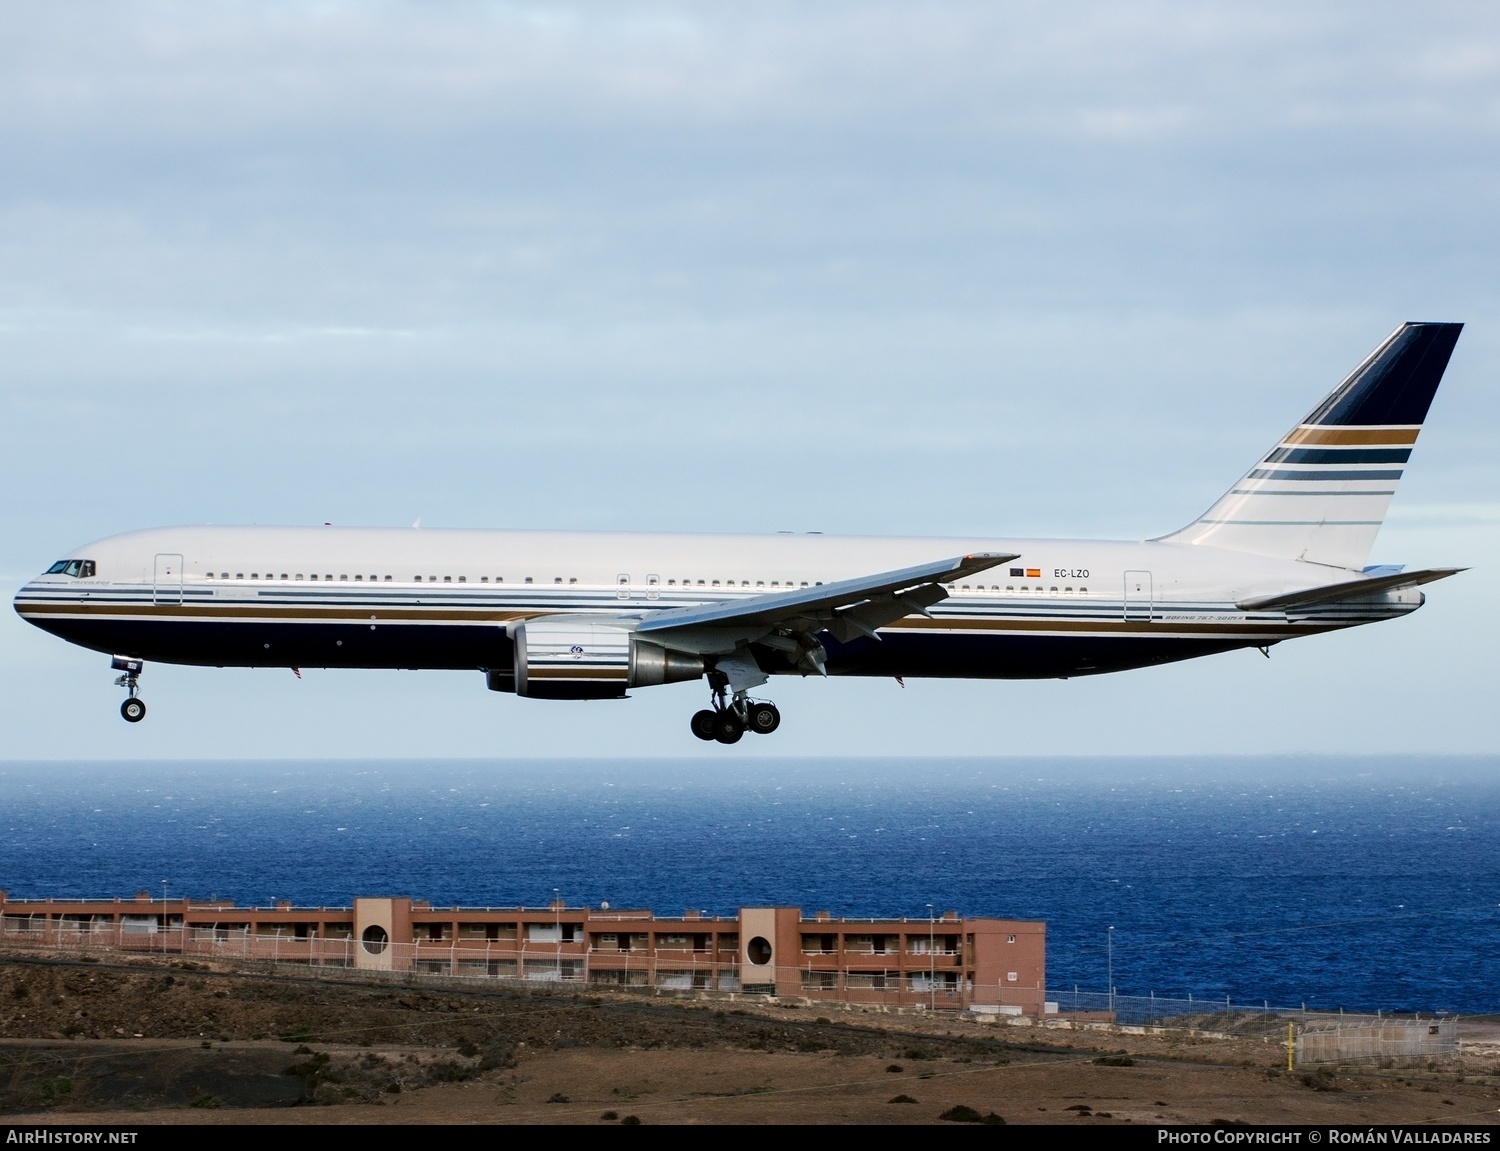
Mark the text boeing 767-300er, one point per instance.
(569, 615)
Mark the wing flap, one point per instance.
(1351, 589)
(871, 601)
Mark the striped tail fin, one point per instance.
(1321, 494)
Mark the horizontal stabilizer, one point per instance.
(1351, 589)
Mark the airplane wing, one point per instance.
(788, 620)
(1350, 589)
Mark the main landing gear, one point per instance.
(732, 716)
(134, 708)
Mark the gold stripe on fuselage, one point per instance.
(1243, 628)
(1164, 628)
(260, 612)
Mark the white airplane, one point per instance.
(573, 615)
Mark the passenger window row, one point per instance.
(1010, 589)
(779, 585)
(299, 575)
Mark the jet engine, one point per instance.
(578, 658)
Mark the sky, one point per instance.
(983, 269)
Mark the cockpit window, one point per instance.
(84, 569)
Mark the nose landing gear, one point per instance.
(134, 708)
(732, 716)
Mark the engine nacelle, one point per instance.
(579, 659)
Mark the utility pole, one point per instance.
(1109, 943)
(163, 916)
(557, 917)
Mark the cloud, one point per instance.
(879, 267)
(186, 71)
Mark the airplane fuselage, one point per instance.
(418, 598)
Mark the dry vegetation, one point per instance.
(163, 1041)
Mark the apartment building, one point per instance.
(946, 961)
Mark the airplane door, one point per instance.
(167, 587)
(1138, 595)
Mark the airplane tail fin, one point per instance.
(1322, 492)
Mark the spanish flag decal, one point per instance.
(1033, 573)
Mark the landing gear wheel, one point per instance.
(133, 710)
(704, 724)
(763, 718)
(727, 727)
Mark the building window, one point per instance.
(1010, 939)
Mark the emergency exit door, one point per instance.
(167, 587)
(1138, 595)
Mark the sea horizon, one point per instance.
(1362, 882)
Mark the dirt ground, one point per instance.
(151, 1040)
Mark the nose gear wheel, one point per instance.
(134, 708)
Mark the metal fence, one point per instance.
(1381, 1041)
(1155, 1010)
(1318, 1037)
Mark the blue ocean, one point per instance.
(1334, 882)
